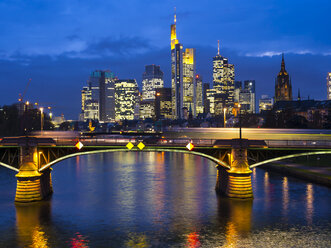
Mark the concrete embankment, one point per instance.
(319, 175)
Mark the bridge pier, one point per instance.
(236, 182)
(31, 184)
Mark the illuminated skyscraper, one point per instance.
(283, 86)
(126, 99)
(328, 85)
(152, 79)
(199, 94)
(90, 107)
(176, 73)
(189, 81)
(223, 82)
(98, 100)
(183, 84)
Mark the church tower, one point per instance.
(283, 86)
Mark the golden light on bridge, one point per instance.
(141, 146)
(79, 145)
(190, 146)
(129, 145)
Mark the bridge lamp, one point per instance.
(41, 119)
(190, 146)
(225, 117)
(79, 145)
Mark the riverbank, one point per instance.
(314, 174)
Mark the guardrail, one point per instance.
(184, 141)
(299, 143)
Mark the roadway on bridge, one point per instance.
(250, 133)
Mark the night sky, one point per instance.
(58, 43)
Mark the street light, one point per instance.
(225, 117)
(41, 119)
(239, 124)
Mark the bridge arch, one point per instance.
(215, 160)
(289, 156)
(9, 167)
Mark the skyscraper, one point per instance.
(189, 80)
(199, 94)
(206, 104)
(245, 95)
(152, 79)
(90, 107)
(328, 85)
(163, 103)
(183, 71)
(249, 87)
(223, 82)
(283, 86)
(98, 100)
(176, 73)
(126, 99)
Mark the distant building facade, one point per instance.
(206, 104)
(98, 98)
(283, 86)
(152, 79)
(146, 110)
(265, 103)
(163, 104)
(199, 94)
(223, 83)
(126, 99)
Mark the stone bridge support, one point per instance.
(235, 182)
(31, 184)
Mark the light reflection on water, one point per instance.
(132, 199)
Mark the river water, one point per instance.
(137, 199)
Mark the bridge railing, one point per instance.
(124, 141)
(299, 143)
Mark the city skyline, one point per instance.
(63, 69)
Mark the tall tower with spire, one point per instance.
(283, 86)
(223, 83)
(176, 72)
(183, 77)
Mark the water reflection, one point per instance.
(286, 197)
(266, 190)
(193, 240)
(168, 201)
(31, 220)
(310, 203)
(236, 216)
(137, 241)
(79, 241)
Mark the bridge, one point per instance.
(33, 156)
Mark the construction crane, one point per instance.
(21, 96)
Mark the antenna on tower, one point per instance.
(218, 47)
(175, 16)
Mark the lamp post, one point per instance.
(225, 117)
(239, 124)
(41, 119)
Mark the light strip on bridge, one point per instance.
(9, 167)
(215, 160)
(289, 156)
